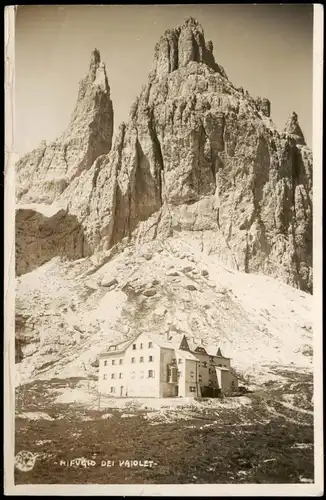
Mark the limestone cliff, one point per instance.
(40, 237)
(197, 154)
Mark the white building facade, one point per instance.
(149, 366)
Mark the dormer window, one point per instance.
(200, 349)
(184, 346)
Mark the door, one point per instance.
(121, 390)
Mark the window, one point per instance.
(205, 364)
(133, 360)
(105, 376)
(150, 345)
(192, 388)
(150, 374)
(133, 347)
(105, 363)
(179, 361)
(200, 377)
(192, 374)
(120, 375)
(112, 375)
(133, 374)
(219, 364)
(179, 374)
(141, 346)
(113, 361)
(120, 361)
(112, 389)
(141, 359)
(141, 374)
(150, 358)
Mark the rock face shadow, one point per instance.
(40, 238)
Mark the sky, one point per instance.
(266, 49)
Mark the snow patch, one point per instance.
(37, 415)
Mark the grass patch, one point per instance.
(206, 455)
(253, 443)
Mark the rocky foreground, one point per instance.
(68, 312)
(265, 436)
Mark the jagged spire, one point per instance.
(88, 135)
(95, 58)
(293, 128)
(182, 45)
(192, 22)
(97, 72)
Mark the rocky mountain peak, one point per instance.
(95, 59)
(171, 227)
(97, 75)
(95, 82)
(45, 173)
(197, 156)
(293, 129)
(181, 45)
